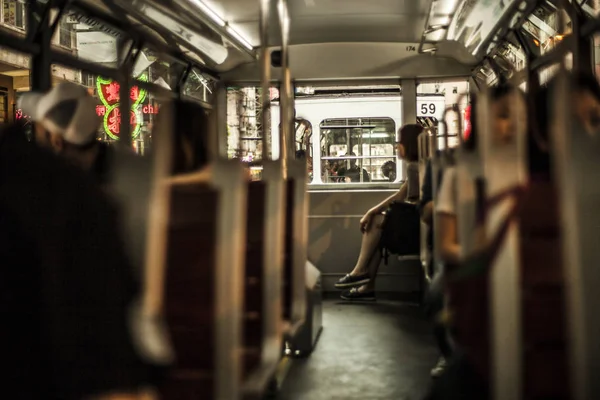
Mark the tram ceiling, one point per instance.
(327, 21)
(179, 34)
(367, 61)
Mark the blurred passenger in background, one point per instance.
(66, 122)
(66, 283)
(353, 174)
(191, 136)
(388, 170)
(467, 376)
(435, 293)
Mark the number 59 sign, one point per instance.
(431, 107)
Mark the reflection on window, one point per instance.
(13, 13)
(358, 150)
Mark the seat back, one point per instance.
(203, 286)
(264, 266)
(576, 161)
(505, 168)
(294, 292)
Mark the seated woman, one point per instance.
(361, 281)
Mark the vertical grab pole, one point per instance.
(285, 92)
(265, 70)
(38, 25)
(126, 68)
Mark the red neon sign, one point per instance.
(147, 109)
(108, 91)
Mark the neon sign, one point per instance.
(147, 109)
(108, 91)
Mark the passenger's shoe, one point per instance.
(350, 281)
(439, 369)
(355, 295)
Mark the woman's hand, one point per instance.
(365, 221)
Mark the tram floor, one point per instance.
(369, 351)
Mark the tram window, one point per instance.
(144, 106)
(157, 69)
(545, 29)
(244, 130)
(358, 150)
(199, 86)
(13, 13)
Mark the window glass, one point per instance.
(244, 129)
(199, 86)
(151, 67)
(13, 13)
(511, 58)
(544, 25)
(358, 150)
(144, 107)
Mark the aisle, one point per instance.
(378, 351)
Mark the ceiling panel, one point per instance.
(322, 21)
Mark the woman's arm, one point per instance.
(427, 213)
(447, 238)
(447, 235)
(400, 195)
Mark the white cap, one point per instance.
(67, 110)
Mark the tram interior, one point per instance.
(259, 134)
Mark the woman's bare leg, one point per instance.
(373, 268)
(369, 250)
